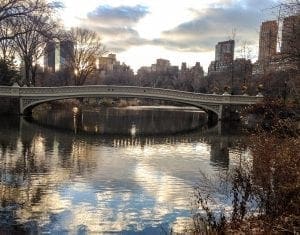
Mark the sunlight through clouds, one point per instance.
(180, 31)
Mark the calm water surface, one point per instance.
(123, 171)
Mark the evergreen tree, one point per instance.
(8, 72)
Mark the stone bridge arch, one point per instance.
(30, 97)
(27, 104)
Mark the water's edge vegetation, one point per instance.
(265, 192)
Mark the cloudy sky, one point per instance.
(141, 31)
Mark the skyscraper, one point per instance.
(58, 55)
(66, 53)
(225, 51)
(267, 40)
(162, 65)
(224, 56)
(49, 56)
(290, 35)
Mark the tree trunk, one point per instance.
(27, 71)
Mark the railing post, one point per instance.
(15, 90)
(220, 112)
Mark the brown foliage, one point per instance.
(275, 116)
(276, 178)
(265, 194)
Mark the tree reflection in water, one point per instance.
(48, 176)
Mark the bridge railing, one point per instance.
(8, 91)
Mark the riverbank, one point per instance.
(272, 114)
(263, 190)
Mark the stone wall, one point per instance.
(9, 106)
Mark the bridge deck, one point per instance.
(32, 96)
(99, 90)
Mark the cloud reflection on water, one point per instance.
(61, 182)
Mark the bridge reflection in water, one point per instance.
(54, 181)
(217, 138)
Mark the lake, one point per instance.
(109, 170)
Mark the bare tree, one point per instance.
(289, 14)
(246, 54)
(16, 9)
(87, 49)
(39, 29)
(284, 66)
(6, 46)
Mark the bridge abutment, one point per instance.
(9, 105)
(231, 112)
(227, 113)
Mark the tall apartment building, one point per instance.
(58, 55)
(224, 56)
(198, 69)
(66, 53)
(224, 51)
(290, 35)
(267, 40)
(183, 66)
(162, 65)
(107, 63)
(49, 56)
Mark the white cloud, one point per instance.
(172, 29)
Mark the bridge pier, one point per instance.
(225, 112)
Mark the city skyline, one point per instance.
(140, 32)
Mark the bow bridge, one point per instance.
(29, 97)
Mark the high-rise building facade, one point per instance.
(66, 55)
(49, 56)
(58, 55)
(267, 40)
(162, 65)
(290, 35)
(183, 66)
(107, 63)
(224, 51)
(224, 56)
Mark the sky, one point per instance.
(141, 31)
